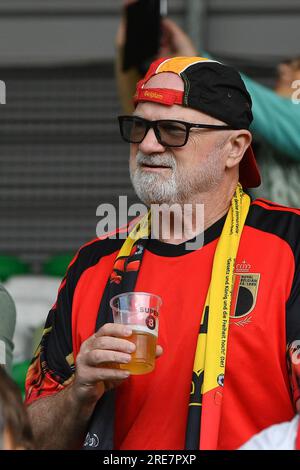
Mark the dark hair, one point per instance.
(14, 415)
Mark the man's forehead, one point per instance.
(165, 80)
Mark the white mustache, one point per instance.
(156, 160)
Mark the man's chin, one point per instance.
(151, 199)
(151, 189)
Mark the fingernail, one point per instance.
(124, 360)
(127, 332)
(131, 347)
(126, 374)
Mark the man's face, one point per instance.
(177, 175)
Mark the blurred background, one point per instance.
(60, 151)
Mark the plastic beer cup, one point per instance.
(140, 311)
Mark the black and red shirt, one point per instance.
(261, 385)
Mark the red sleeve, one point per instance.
(52, 367)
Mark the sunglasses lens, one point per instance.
(132, 129)
(172, 133)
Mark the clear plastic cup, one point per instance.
(140, 311)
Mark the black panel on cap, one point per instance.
(218, 91)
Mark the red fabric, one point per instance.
(276, 207)
(159, 95)
(87, 299)
(47, 386)
(210, 415)
(249, 171)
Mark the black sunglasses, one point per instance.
(168, 132)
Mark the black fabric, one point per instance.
(167, 249)
(192, 436)
(219, 91)
(100, 435)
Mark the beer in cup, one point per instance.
(140, 311)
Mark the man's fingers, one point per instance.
(159, 351)
(114, 329)
(97, 357)
(113, 344)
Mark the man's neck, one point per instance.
(196, 216)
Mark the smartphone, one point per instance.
(143, 33)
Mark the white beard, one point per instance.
(179, 186)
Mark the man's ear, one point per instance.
(239, 141)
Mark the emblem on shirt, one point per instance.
(91, 440)
(244, 295)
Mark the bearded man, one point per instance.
(230, 308)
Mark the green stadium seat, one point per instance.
(11, 266)
(57, 265)
(18, 373)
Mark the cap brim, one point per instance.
(249, 172)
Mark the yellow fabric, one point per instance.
(179, 64)
(140, 230)
(214, 343)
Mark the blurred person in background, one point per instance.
(7, 327)
(287, 72)
(280, 171)
(276, 124)
(15, 430)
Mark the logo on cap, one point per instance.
(152, 94)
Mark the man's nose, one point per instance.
(150, 144)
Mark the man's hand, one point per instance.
(96, 371)
(97, 362)
(174, 41)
